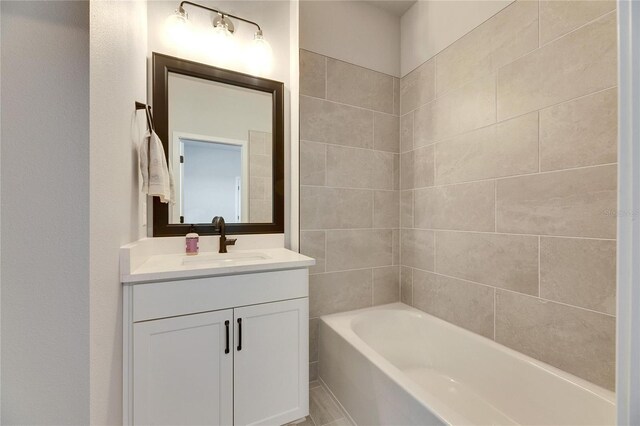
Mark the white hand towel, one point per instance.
(157, 178)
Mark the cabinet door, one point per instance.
(182, 375)
(271, 375)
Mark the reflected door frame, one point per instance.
(176, 210)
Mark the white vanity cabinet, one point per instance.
(222, 350)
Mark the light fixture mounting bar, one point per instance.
(219, 12)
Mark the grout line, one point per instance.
(326, 79)
(495, 310)
(539, 26)
(586, 24)
(539, 272)
(325, 251)
(348, 63)
(514, 292)
(372, 289)
(348, 105)
(484, 232)
(458, 135)
(413, 302)
(495, 206)
(482, 180)
(435, 76)
(539, 132)
(349, 146)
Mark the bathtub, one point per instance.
(395, 365)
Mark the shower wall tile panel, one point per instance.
(350, 185)
(508, 178)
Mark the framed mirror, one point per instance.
(223, 135)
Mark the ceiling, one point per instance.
(395, 7)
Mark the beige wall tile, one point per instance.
(582, 132)
(395, 246)
(258, 188)
(459, 302)
(418, 87)
(406, 132)
(406, 170)
(423, 166)
(572, 339)
(383, 170)
(362, 87)
(386, 208)
(406, 285)
(313, 339)
(396, 172)
(406, 209)
(470, 107)
(335, 208)
(500, 260)
(312, 244)
(312, 74)
(386, 285)
(504, 149)
(324, 121)
(417, 248)
(260, 211)
(579, 272)
(575, 203)
(464, 207)
(386, 132)
(349, 167)
(358, 248)
(396, 95)
(339, 292)
(583, 62)
(505, 37)
(559, 17)
(260, 166)
(313, 163)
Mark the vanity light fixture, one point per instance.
(258, 54)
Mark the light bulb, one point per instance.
(259, 55)
(222, 43)
(178, 28)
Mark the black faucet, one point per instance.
(218, 223)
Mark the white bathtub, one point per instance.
(395, 365)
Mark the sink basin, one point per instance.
(223, 259)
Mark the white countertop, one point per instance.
(175, 266)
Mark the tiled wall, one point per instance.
(260, 177)
(508, 183)
(349, 197)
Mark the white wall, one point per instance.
(353, 31)
(428, 27)
(45, 212)
(207, 108)
(118, 79)
(276, 20)
(210, 173)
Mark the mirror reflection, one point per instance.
(221, 151)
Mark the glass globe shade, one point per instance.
(178, 29)
(222, 44)
(259, 55)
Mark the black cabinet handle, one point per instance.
(239, 334)
(226, 349)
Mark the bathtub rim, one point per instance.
(341, 323)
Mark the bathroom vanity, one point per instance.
(215, 339)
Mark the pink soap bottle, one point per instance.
(192, 242)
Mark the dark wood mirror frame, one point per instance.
(162, 66)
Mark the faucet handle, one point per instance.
(231, 241)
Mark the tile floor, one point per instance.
(323, 409)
